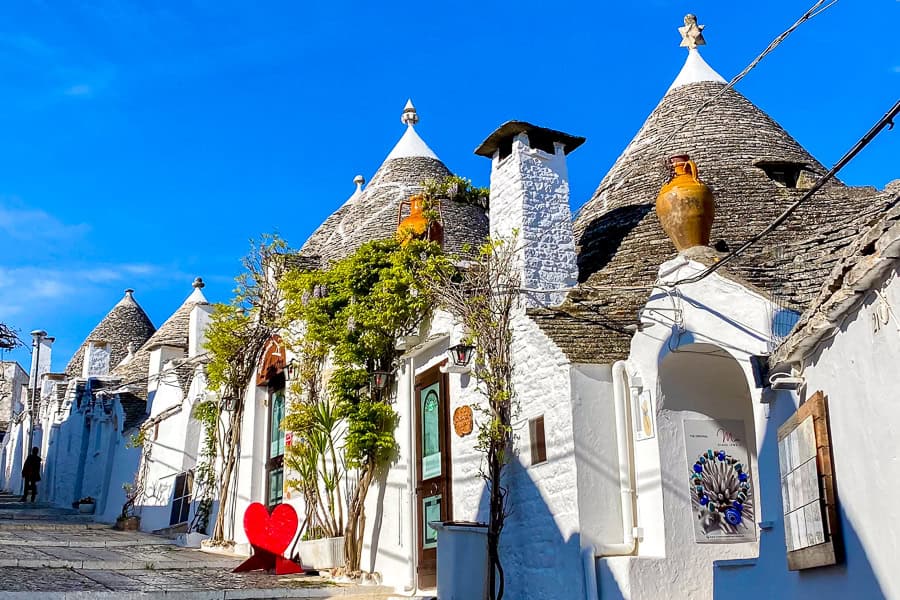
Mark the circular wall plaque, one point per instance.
(462, 421)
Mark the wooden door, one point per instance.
(433, 482)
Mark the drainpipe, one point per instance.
(626, 470)
(626, 484)
(410, 473)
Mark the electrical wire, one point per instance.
(814, 11)
(886, 121)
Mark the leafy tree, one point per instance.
(235, 338)
(484, 297)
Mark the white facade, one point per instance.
(692, 361)
(855, 368)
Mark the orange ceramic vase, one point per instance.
(685, 206)
(415, 224)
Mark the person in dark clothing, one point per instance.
(31, 473)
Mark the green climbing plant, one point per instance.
(235, 339)
(353, 313)
(207, 413)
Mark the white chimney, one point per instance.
(530, 196)
(96, 359)
(200, 317)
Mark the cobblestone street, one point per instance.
(54, 554)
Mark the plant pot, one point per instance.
(132, 523)
(323, 553)
(86, 508)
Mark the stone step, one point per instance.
(133, 558)
(49, 525)
(72, 584)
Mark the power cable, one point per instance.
(886, 121)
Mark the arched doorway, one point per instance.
(707, 445)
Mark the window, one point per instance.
(181, 498)
(538, 443)
(783, 173)
(811, 523)
(275, 458)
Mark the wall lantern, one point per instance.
(378, 380)
(292, 369)
(460, 357)
(229, 402)
(461, 354)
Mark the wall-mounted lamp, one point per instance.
(378, 380)
(229, 402)
(292, 369)
(460, 357)
(461, 354)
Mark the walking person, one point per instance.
(31, 473)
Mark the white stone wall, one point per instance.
(530, 196)
(541, 543)
(173, 451)
(857, 371)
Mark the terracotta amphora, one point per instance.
(685, 206)
(415, 224)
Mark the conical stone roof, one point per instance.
(126, 324)
(735, 145)
(174, 332)
(372, 213)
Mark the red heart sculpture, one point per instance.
(273, 533)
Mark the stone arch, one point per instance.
(703, 390)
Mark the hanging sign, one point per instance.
(720, 481)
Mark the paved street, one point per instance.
(54, 554)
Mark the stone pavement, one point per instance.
(57, 554)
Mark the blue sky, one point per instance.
(144, 144)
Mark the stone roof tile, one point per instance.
(125, 324)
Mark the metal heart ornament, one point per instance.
(271, 532)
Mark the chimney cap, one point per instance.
(538, 136)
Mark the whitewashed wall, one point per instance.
(173, 451)
(858, 371)
(716, 313)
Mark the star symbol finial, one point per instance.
(691, 33)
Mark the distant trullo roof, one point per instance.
(174, 332)
(371, 213)
(745, 158)
(126, 324)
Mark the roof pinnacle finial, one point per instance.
(198, 283)
(359, 180)
(691, 33)
(410, 116)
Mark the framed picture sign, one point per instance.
(811, 525)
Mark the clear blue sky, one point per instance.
(143, 146)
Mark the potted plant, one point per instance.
(85, 505)
(127, 520)
(321, 475)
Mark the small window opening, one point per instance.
(784, 174)
(538, 442)
(181, 498)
